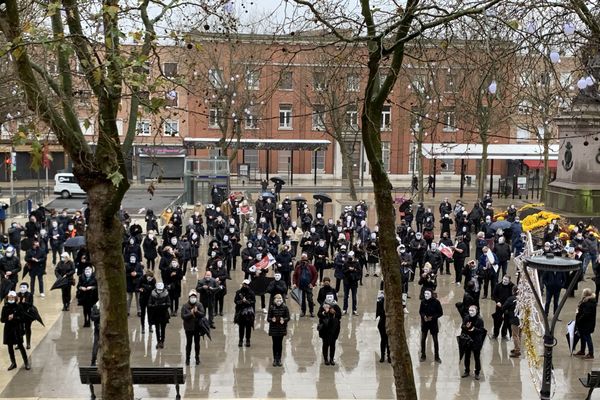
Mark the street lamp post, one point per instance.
(548, 262)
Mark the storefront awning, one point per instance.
(539, 164)
(261, 144)
(495, 151)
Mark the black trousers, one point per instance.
(328, 348)
(143, 309)
(66, 295)
(87, 312)
(307, 296)
(160, 332)
(11, 352)
(501, 323)
(150, 263)
(95, 346)
(189, 337)
(27, 329)
(245, 330)
(476, 356)
(459, 264)
(434, 335)
(384, 344)
(219, 300)
(277, 347)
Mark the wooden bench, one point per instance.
(591, 382)
(140, 376)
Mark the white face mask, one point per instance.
(151, 236)
(329, 298)
(277, 277)
(54, 224)
(193, 300)
(219, 264)
(427, 295)
(174, 241)
(212, 254)
(505, 281)
(132, 260)
(472, 313)
(12, 301)
(88, 274)
(278, 302)
(70, 227)
(23, 289)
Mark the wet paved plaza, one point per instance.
(227, 371)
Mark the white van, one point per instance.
(66, 185)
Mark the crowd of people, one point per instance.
(284, 248)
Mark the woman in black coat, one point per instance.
(12, 318)
(87, 294)
(245, 312)
(25, 301)
(158, 312)
(172, 281)
(473, 329)
(133, 273)
(194, 250)
(384, 344)
(145, 286)
(329, 315)
(65, 268)
(585, 322)
(149, 245)
(278, 318)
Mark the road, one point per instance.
(134, 200)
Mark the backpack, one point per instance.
(305, 277)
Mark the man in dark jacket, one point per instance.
(502, 250)
(430, 311)
(325, 290)
(509, 309)
(192, 313)
(501, 292)
(10, 266)
(305, 278)
(207, 287)
(434, 257)
(554, 282)
(36, 258)
(277, 286)
(352, 274)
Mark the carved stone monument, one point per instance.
(576, 189)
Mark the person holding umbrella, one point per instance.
(12, 318)
(65, 269)
(191, 314)
(278, 318)
(245, 300)
(329, 315)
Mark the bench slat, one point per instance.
(141, 375)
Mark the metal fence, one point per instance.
(28, 200)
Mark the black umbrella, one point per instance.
(464, 342)
(63, 281)
(323, 197)
(296, 295)
(299, 198)
(26, 244)
(75, 242)
(405, 205)
(204, 327)
(277, 179)
(5, 286)
(33, 314)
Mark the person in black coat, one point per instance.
(473, 328)
(12, 318)
(554, 282)
(430, 311)
(87, 294)
(158, 311)
(65, 268)
(284, 265)
(57, 238)
(384, 344)
(10, 266)
(149, 246)
(133, 273)
(245, 312)
(461, 252)
(509, 309)
(36, 258)
(277, 286)
(502, 251)
(192, 313)
(207, 287)
(585, 323)
(428, 280)
(501, 292)
(25, 301)
(329, 315)
(95, 317)
(145, 286)
(172, 282)
(325, 290)
(219, 272)
(278, 318)
(151, 221)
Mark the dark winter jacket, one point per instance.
(323, 292)
(430, 308)
(585, 320)
(475, 330)
(132, 281)
(158, 307)
(191, 314)
(87, 297)
(145, 288)
(11, 265)
(502, 292)
(149, 246)
(281, 314)
(13, 329)
(329, 322)
(244, 306)
(502, 251)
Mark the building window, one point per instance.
(318, 118)
(352, 117)
(565, 79)
(170, 69)
(449, 121)
(251, 121)
(143, 128)
(215, 77)
(251, 158)
(524, 107)
(87, 126)
(319, 81)
(385, 155)
(214, 118)
(449, 86)
(523, 135)
(252, 79)
(119, 127)
(446, 164)
(353, 83)
(382, 77)
(386, 118)
(171, 98)
(320, 161)
(413, 166)
(286, 81)
(171, 127)
(283, 161)
(416, 120)
(285, 116)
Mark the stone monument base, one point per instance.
(574, 198)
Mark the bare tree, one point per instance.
(386, 31)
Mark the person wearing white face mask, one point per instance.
(25, 300)
(87, 294)
(133, 273)
(329, 315)
(277, 286)
(158, 312)
(65, 269)
(150, 245)
(10, 266)
(278, 318)
(12, 318)
(191, 314)
(372, 250)
(430, 311)
(471, 340)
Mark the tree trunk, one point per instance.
(546, 178)
(104, 243)
(481, 186)
(419, 157)
(347, 166)
(389, 261)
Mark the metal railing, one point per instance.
(31, 198)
